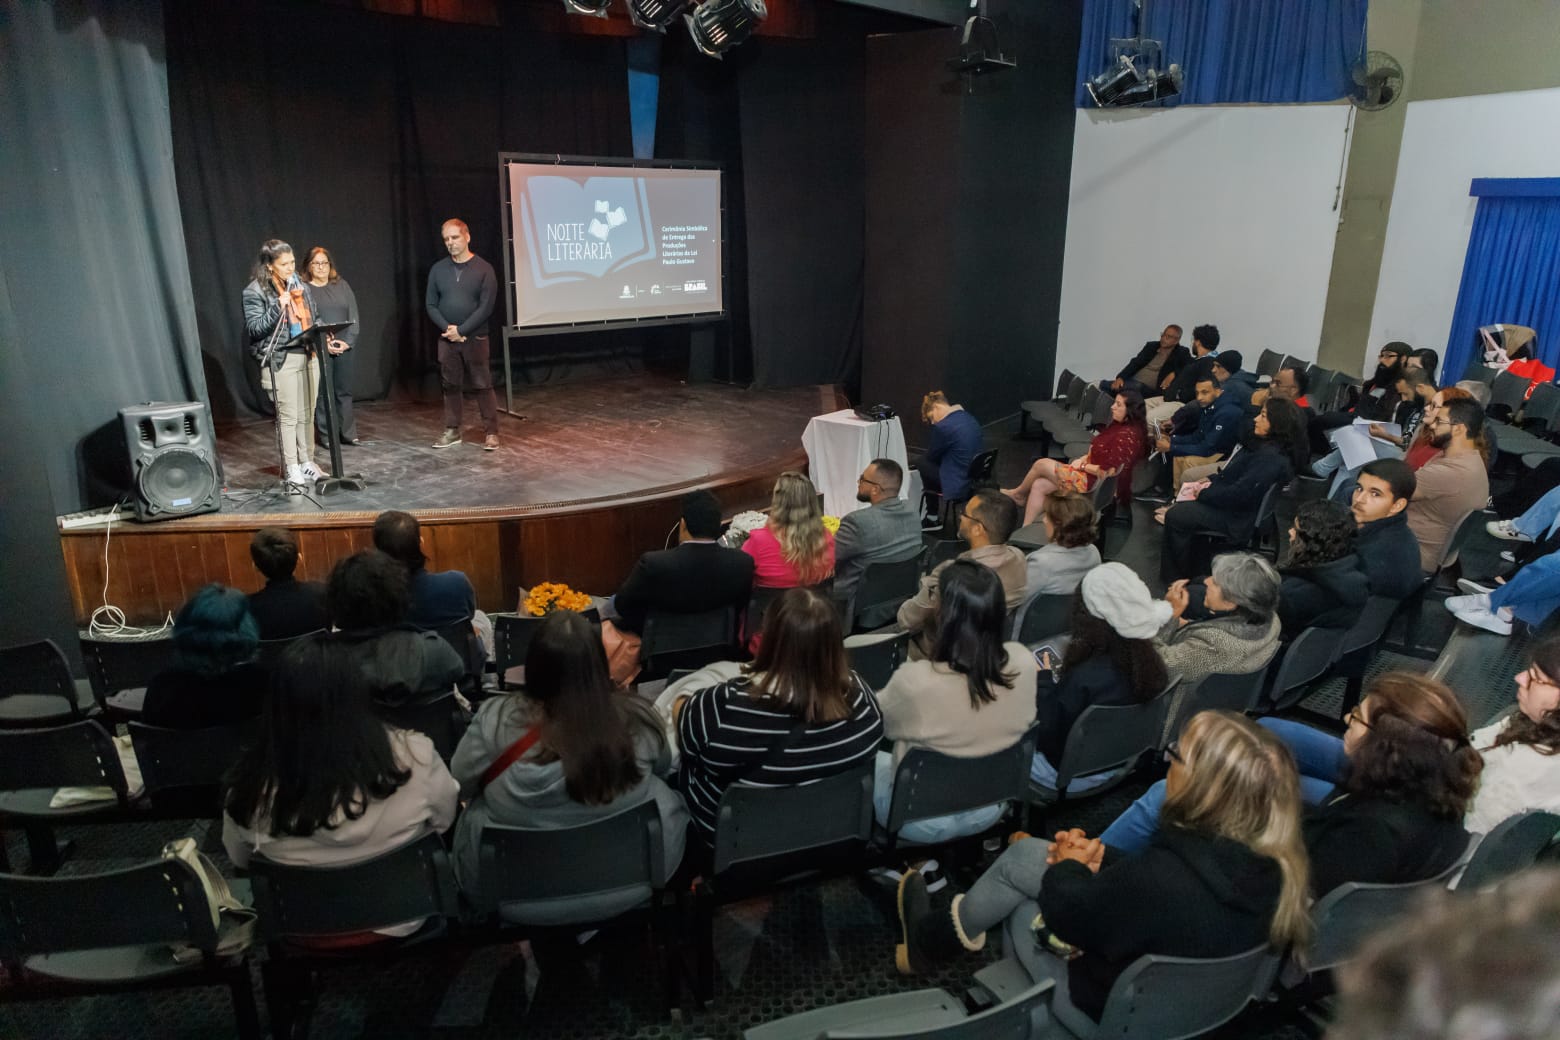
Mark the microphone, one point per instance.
(292, 281)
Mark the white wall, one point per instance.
(1195, 215)
(1446, 144)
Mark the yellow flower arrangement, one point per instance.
(831, 524)
(552, 595)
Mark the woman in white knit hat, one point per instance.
(1109, 659)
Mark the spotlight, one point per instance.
(1155, 86)
(1107, 88)
(719, 25)
(594, 8)
(655, 14)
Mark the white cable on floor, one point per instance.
(108, 621)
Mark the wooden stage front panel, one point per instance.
(627, 448)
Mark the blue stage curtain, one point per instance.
(1237, 51)
(1512, 271)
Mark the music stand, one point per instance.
(323, 332)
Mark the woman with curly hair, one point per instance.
(793, 548)
(1323, 583)
(1114, 451)
(1521, 752)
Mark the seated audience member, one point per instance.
(438, 598)
(1387, 549)
(1378, 398)
(1240, 632)
(1386, 800)
(986, 523)
(368, 599)
(956, 438)
(1521, 752)
(1110, 659)
(1449, 487)
(793, 548)
(326, 783)
(565, 752)
(1415, 395)
(1225, 872)
(1154, 367)
(1229, 503)
(1324, 585)
(887, 531)
(974, 696)
(795, 714)
(1421, 449)
(1235, 380)
(1056, 568)
(214, 680)
(1459, 967)
(1219, 421)
(1423, 360)
(1114, 451)
(1290, 383)
(1530, 594)
(286, 607)
(699, 575)
(1183, 387)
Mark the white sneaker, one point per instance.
(1485, 620)
(311, 470)
(297, 475)
(1477, 601)
(1504, 530)
(1474, 588)
(1509, 556)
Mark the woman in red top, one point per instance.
(794, 548)
(1114, 451)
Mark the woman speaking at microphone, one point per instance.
(277, 307)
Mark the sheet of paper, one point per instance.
(1391, 427)
(1355, 445)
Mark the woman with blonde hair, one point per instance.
(1225, 872)
(794, 548)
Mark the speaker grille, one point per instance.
(177, 481)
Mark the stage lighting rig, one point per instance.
(979, 52)
(719, 25)
(593, 8)
(655, 14)
(1133, 76)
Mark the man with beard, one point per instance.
(1451, 485)
(887, 531)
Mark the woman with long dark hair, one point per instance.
(327, 783)
(1114, 451)
(335, 301)
(565, 751)
(277, 308)
(796, 713)
(1110, 659)
(1521, 752)
(214, 680)
(1324, 584)
(974, 696)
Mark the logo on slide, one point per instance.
(586, 230)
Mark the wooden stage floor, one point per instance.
(588, 481)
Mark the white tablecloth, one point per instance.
(839, 446)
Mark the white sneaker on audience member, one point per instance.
(1473, 588)
(1476, 601)
(1484, 619)
(1509, 556)
(1504, 530)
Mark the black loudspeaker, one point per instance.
(173, 460)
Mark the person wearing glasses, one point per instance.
(1225, 872)
(1448, 488)
(986, 523)
(334, 301)
(1385, 802)
(887, 531)
(1521, 752)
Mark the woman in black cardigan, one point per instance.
(1324, 584)
(1275, 452)
(1226, 872)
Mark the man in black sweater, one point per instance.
(286, 607)
(461, 292)
(1154, 367)
(1387, 549)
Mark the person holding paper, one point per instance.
(277, 308)
(1363, 441)
(336, 302)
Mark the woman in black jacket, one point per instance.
(1225, 873)
(1275, 452)
(1324, 584)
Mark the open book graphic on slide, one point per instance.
(584, 229)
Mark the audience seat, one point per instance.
(923, 1014)
(876, 655)
(270, 651)
(1412, 609)
(672, 641)
(1221, 691)
(1042, 616)
(125, 666)
(1268, 363)
(1514, 845)
(1068, 395)
(34, 763)
(441, 718)
(1298, 665)
(512, 635)
(1507, 394)
(929, 784)
(183, 769)
(36, 688)
(883, 586)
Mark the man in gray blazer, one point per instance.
(888, 530)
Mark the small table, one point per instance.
(839, 445)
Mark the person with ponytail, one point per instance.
(1521, 751)
(565, 751)
(1225, 872)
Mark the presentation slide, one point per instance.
(613, 243)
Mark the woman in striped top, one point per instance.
(796, 714)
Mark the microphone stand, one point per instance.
(323, 333)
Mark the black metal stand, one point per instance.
(337, 481)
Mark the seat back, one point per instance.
(877, 660)
(1063, 384)
(1165, 998)
(981, 467)
(1478, 371)
(1461, 532)
(270, 651)
(124, 664)
(883, 587)
(1010, 1020)
(441, 719)
(929, 784)
(1222, 691)
(1369, 628)
(1075, 391)
(1266, 512)
(185, 759)
(405, 884)
(1089, 403)
(1106, 737)
(38, 670)
(512, 635)
(1104, 494)
(1512, 845)
(758, 603)
(1542, 408)
(1508, 392)
(462, 638)
(1353, 912)
(674, 640)
(1305, 660)
(771, 831)
(80, 754)
(1269, 363)
(532, 873)
(157, 902)
(1043, 616)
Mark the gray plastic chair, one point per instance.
(1269, 363)
(1221, 691)
(1508, 390)
(1542, 410)
(440, 718)
(1068, 396)
(512, 635)
(36, 762)
(923, 1014)
(1302, 662)
(875, 658)
(882, 587)
(108, 932)
(1042, 616)
(1351, 913)
(671, 641)
(36, 688)
(929, 784)
(116, 665)
(184, 767)
(1512, 846)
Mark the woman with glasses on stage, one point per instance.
(334, 302)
